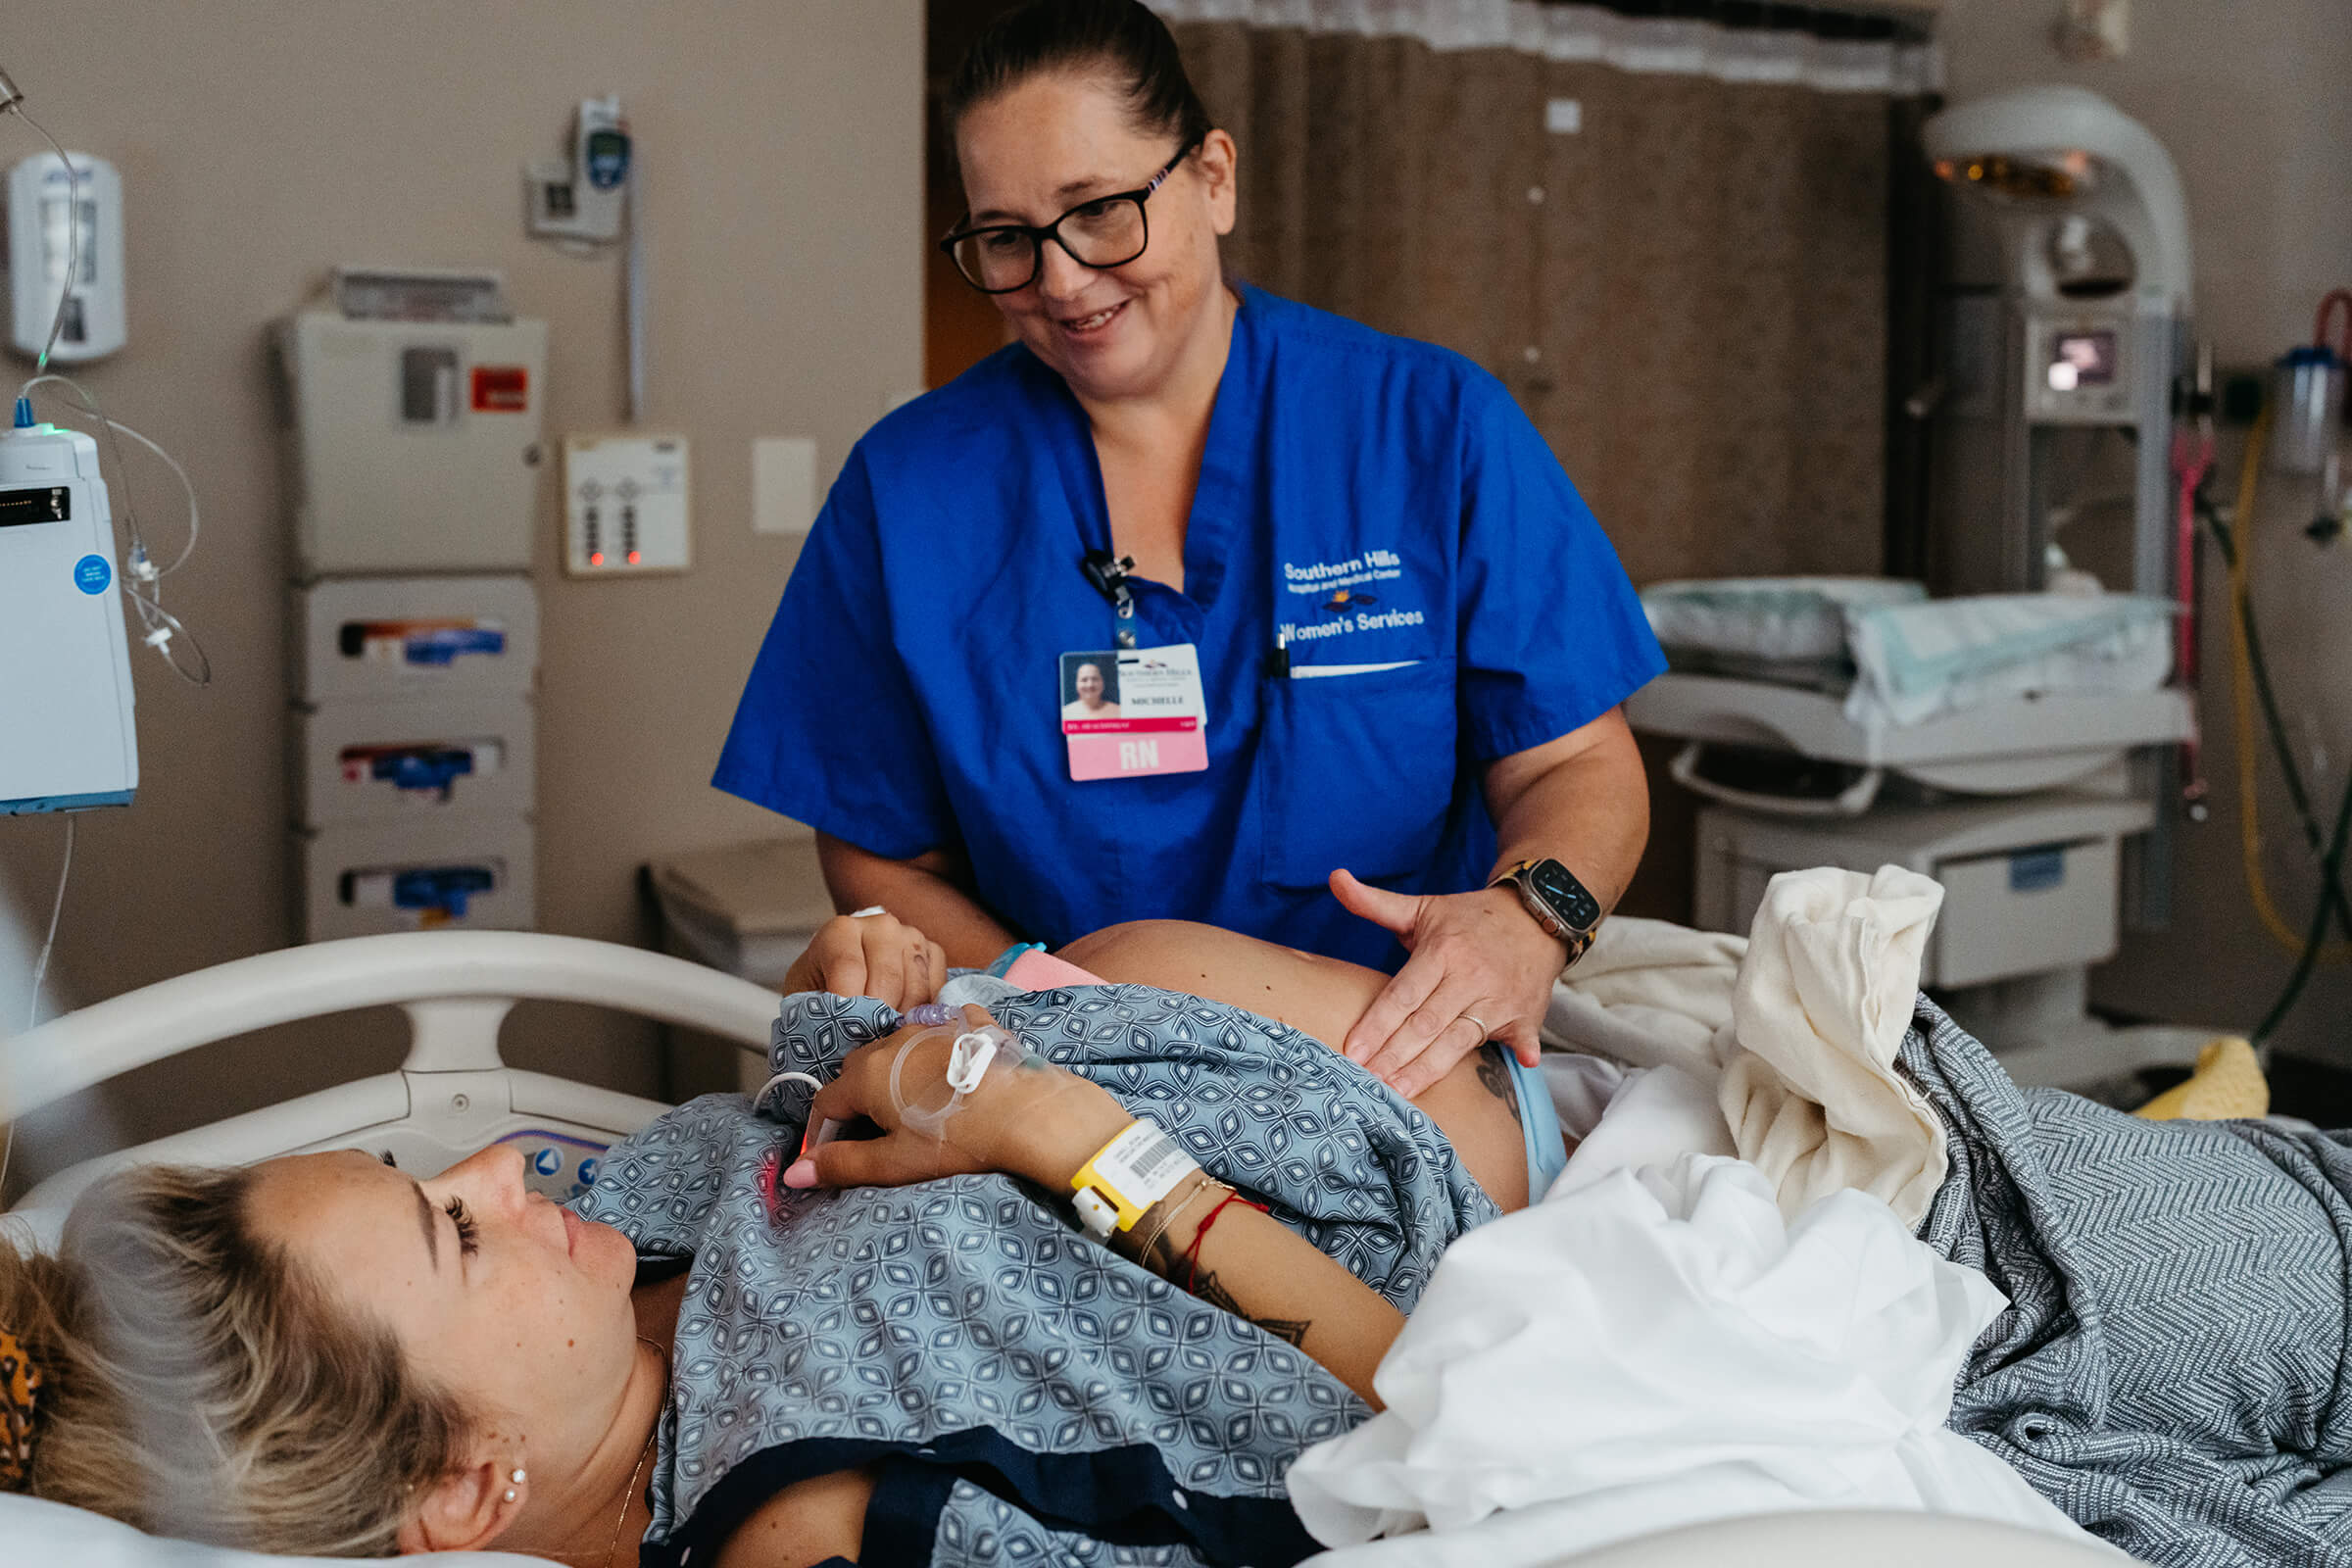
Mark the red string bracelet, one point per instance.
(1192, 1253)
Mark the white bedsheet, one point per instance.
(1655, 1345)
(1793, 1029)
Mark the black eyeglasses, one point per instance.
(1105, 232)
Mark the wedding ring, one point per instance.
(1484, 1033)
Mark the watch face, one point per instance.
(1555, 886)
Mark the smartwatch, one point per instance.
(1561, 905)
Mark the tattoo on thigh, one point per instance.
(1495, 1073)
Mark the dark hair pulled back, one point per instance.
(1121, 37)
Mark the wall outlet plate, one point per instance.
(626, 505)
(783, 484)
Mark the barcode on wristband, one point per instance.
(1144, 1164)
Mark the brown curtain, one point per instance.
(1686, 292)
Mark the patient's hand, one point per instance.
(875, 955)
(1034, 1119)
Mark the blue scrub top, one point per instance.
(1379, 502)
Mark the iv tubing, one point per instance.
(2243, 700)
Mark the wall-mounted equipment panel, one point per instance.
(415, 444)
(426, 874)
(624, 505)
(412, 637)
(396, 761)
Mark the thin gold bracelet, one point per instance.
(1167, 1212)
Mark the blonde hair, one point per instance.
(199, 1382)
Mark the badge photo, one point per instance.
(1089, 689)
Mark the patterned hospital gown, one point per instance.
(1024, 1395)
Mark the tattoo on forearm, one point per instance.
(1165, 1260)
(1495, 1073)
(1290, 1330)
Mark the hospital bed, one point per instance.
(453, 1094)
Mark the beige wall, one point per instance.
(261, 143)
(2255, 102)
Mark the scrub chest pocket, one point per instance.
(1357, 771)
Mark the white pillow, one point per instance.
(40, 1531)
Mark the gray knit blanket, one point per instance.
(2170, 1371)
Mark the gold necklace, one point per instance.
(629, 1493)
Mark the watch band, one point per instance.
(1577, 939)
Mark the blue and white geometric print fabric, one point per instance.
(2171, 1368)
(1023, 1393)
(1340, 1158)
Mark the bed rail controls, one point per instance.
(1852, 801)
(456, 987)
(556, 1164)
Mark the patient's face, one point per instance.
(498, 1295)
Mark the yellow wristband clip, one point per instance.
(1126, 1176)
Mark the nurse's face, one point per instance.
(1090, 685)
(1039, 148)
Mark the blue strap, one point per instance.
(1539, 1125)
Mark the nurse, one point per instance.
(1368, 644)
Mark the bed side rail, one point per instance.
(456, 986)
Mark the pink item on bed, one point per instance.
(1036, 970)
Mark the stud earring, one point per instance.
(517, 1476)
(510, 1493)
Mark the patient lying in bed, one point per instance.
(320, 1354)
(922, 1358)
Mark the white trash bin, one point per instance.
(750, 909)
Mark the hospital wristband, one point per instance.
(1126, 1176)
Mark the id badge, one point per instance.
(1128, 711)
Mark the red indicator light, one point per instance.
(596, 557)
(633, 557)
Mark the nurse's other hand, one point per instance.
(877, 956)
(1481, 969)
(1034, 1121)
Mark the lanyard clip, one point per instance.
(1108, 574)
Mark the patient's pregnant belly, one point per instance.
(1473, 1106)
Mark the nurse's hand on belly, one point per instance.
(1480, 971)
(874, 956)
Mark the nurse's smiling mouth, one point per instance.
(1083, 326)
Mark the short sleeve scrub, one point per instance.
(1388, 581)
